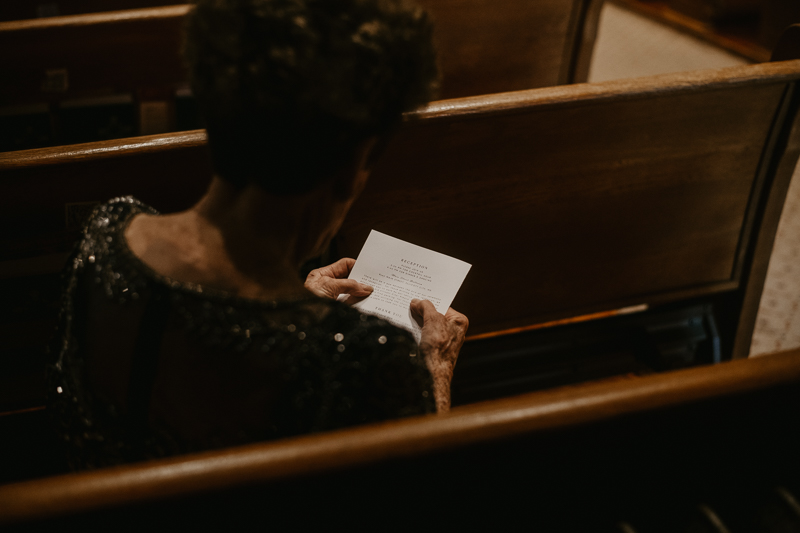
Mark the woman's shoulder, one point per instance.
(107, 221)
(121, 206)
(114, 214)
(101, 247)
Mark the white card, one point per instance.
(401, 271)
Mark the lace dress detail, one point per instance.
(144, 366)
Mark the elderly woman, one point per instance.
(193, 330)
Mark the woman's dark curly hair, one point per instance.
(289, 88)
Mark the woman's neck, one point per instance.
(244, 241)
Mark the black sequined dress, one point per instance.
(144, 366)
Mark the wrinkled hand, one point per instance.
(440, 343)
(331, 281)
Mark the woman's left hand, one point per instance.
(331, 281)
(440, 342)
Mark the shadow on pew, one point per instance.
(649, 452)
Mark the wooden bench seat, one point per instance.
(589, 455)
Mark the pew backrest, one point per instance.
(91, 55)
(566, 200)
(10, 11)
(625, 442)
(484, 47)
(579, 199)
(508, 45)
(47, 192)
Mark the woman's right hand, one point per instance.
(331, 281)
(442, 337)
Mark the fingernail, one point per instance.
(414, 300)
(367, 288)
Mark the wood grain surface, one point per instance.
(582, 199)
(169, 171)
(11, 11)
(484, 47)
(530, 414)
(101, 53)
(566, 200)
(507, 45)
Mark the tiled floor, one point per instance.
(629, 45)
(778, 322)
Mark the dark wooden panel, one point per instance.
(718, 10)
(576, 206)
(429, 447)
(101, 54)
(168, 171)
(788, 46)
(31, 448)
(485, 47)
(776, 16)
(44, 8)
(507, 45)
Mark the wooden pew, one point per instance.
(30, 10)
(86, 57)
(657, 193)
(508, 45)
(583, 199)
(91, 55)
(629, 445)
(641, 451)
(485, 47)
(49, 191)
(641, 171)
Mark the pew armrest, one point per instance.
(273, 462)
